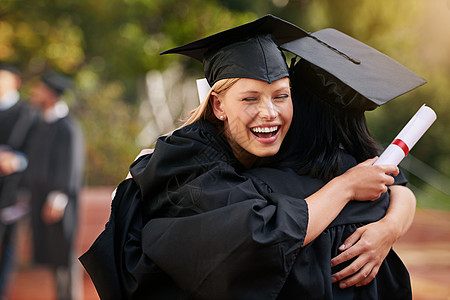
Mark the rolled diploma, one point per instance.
(408, 137)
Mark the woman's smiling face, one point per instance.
(256, 116)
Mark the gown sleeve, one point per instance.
(102, 260)
(239, 251)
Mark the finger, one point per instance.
(369, 278)
(390, 169)
(365, 273)
(346, 255)
(351, 250)
(352, 239)
(350, 270)
(369, 162)
(390, 180)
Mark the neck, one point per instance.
(49, 105)
(247, 159)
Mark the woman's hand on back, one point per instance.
(369, 245)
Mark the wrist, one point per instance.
(392, 227)
(340, 190)
(344, 187)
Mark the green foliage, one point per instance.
(109, 128)
(109, 46)
(415, 33)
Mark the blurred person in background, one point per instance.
(54, 179)
(16, 122)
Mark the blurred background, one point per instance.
(127, 94)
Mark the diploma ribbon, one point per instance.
(402, 145)
(408, 136)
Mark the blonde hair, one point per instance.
(204, 110)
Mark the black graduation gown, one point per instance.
(16, 124)
(189, 202)
(56, 164)
(310, 277)
(193, 224)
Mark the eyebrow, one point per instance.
(283, 89)
(280, 89)
(249, 92)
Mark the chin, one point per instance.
(266, 152)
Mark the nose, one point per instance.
(267, 110)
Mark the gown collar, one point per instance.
(8, 99)
(58, 111)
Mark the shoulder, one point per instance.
(187, 153)
(346, 161)
(201, 131)
(68, 123)
(200, 140)
(67, 129)
(22, 106)
(26, 110)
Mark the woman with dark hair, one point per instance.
(328, 136)
(327, 130)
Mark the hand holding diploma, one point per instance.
(408, 137)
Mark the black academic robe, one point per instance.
(194, 224)
(310, 276)
(16, 124)
(55, 164)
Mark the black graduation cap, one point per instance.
(57, 82)
(348, 72)
(247, 51)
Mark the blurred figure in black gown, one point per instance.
(16, 121)
(54, 178)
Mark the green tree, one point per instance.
(415, 33)
(107, 47)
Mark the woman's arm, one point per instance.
(370, 244)
(368, 183)
(363, 182)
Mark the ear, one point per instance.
(217, 106)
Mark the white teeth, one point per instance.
(264, 129)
